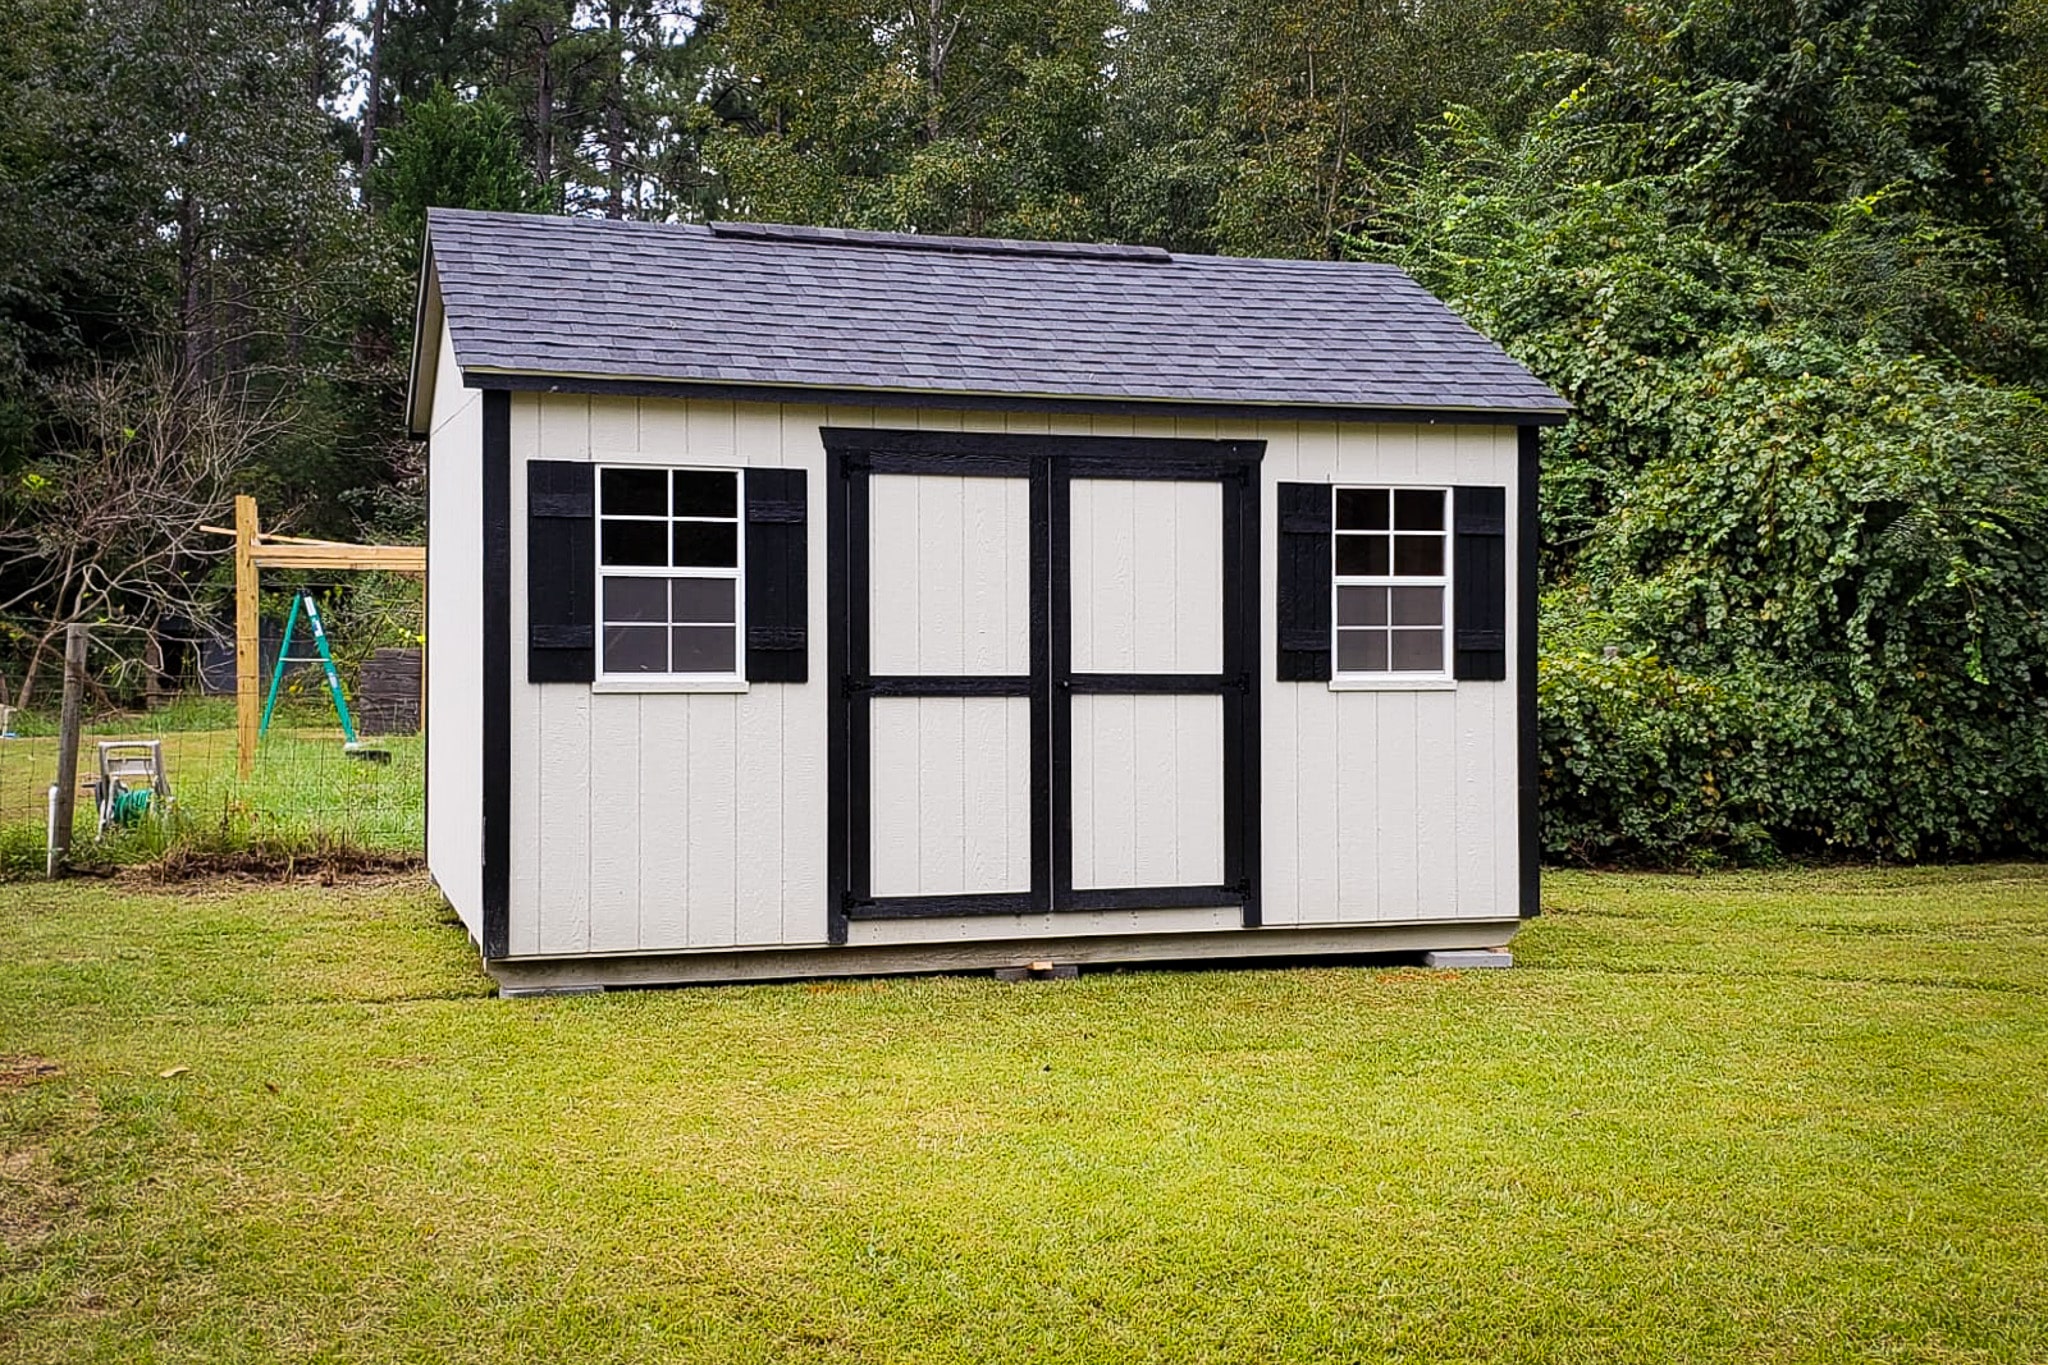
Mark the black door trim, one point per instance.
(1050, 463)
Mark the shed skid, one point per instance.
(530, 976)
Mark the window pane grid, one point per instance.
(1391, 582)
(669, 604)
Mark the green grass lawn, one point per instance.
(305, 795)
(1794, 1116)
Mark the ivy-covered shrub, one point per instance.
(1795, 537)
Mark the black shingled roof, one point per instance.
(761, 304)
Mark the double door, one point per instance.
(1043, 652)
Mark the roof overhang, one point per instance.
(426, 346)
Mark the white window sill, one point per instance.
(657, 685)
(1394, 683)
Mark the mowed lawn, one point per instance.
(1797, 1116)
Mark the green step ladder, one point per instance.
(351, 745)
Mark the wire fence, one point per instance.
(311, 794)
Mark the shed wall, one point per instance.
(454, 631)
(662, 821)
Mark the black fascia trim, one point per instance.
(1059, 788)
(886, 450)
(828, 396)
(1528, 531)
(1243, 575)
(497, 674)
(1042, 861)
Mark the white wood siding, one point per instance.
(665, 821)
(455, 641)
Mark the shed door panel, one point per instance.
(951, 795)
(1147, 594)
(1148, 791)
(950, 584)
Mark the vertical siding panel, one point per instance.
(896, 419)
(1279, 855)
(1083, 573)
(565, 815)
(1016, 609)
(1197, 514)
(1068, 424)
(1155, 771)
(1106, 425)
(1112, 590)
(896, 822)
(1017, 756)
(1028, 423)
(804, 719)
(664, 431)
(1081, 813)
(896, 608)
(1400, 812)
(997, 789)
(614, 426)
(528, 735)
(1478, 893)
(1198, 790)
(713, 434)
(1436, 804)
(1156, 594)
(1358, 805)
(1115, 786)
(1328, 837)
(760, 758)
(983, 421)
(942, 794)
(614, 825)
(941, 550)
(713, 888)
(664, 808)
(564, 426)
(987, 564)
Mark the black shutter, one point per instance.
(561, 572)
(1304, 582)
(1479, 583)
(778, 577)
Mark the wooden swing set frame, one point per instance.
(255, 551)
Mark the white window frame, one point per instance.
(1441, 680)
(736, 680)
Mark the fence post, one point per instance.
(70, 721)
(248, 635)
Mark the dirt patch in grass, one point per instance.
(31, 1196)
(257, 865)
(18, 1073)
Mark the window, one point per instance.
(668, 554)
(1391, 580)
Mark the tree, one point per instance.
(454, 153)
(105, 527)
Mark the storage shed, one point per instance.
(807, 602)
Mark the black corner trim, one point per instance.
(1528, 540)
(497, 675)
(778, 576)
(1302, 582)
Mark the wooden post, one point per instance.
(248, 635)
(69, 722)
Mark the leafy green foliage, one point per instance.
(1808, 528)
(456, 153)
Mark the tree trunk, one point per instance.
(615, 121)
(373, 104)
(545, 37)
